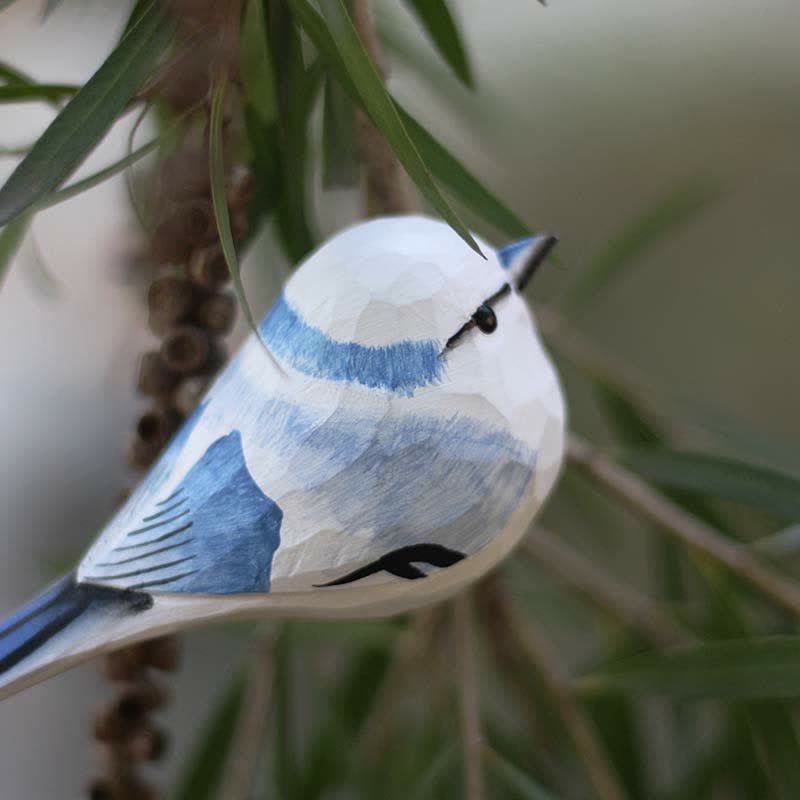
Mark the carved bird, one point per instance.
(394, 447)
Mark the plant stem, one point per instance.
(618, 600)
(524, 638)
(469, 696)
(672, 519)
(248, 739)
(386, 191)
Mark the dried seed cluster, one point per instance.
(190, 311)
(127, 735)
(188, 306)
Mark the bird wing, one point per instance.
(215, 532)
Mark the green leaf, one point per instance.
(48, 92)
(448, 169)
(202, 773)
(293, 213)
(515, 780)
(89, 114)
(256, 65)
(11, 74)
(347, 707)
(783, 543)
(437, 20)
(339, 164)
(50, 7)
(766, 489)
(673, 211)
(219, 197)
(355, 64)
(98, 177)
(463, 185)
(265, 163)
(776, 742)
(284, 763)
(4, 4)
(735, 669)
(11, 238)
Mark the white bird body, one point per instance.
(369, 452)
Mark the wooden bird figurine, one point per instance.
(394, 447)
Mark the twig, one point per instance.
(527, 639)
(469, 695)
(242, 766)
(689, 530)
(622, 602)
(386, 191)
(411, 653)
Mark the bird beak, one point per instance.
(521, 259)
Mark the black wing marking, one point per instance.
(401, 563)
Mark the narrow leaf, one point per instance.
(219, 196)
(10, 74)
(256, 65)
(50, 7)
(203, 772)
(381, 109)
(265, 163)
(98, 177)
(783, 543)
(462, 183)
(673, 211)
(437, 20)
(47, 92)
(88, 115)
(766, 489)
(11, 238)
(339, 164)
(519, 784)
(737, 669)
(293, 213)
(776, 741)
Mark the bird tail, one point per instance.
(59, 628)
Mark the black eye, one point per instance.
(485, 319)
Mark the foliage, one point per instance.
(384, 723)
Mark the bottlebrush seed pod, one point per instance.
(146, 743)
(207, 267)
(186, 349)
(217, 313)
(170, 299)
(163, 653)
(155, 379)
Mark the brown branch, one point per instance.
(525, 639)
(673, 520)
(413, 651)
(466, 659)
(623, 603)
(386, 191)
(242, 766)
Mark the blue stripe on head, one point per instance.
(510, 251)
(400, 367)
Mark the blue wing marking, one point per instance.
(216, 533)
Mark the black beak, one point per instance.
(530, 259)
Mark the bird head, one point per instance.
(397, 323)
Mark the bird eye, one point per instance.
(485, 319)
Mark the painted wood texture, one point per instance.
(368, 469)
